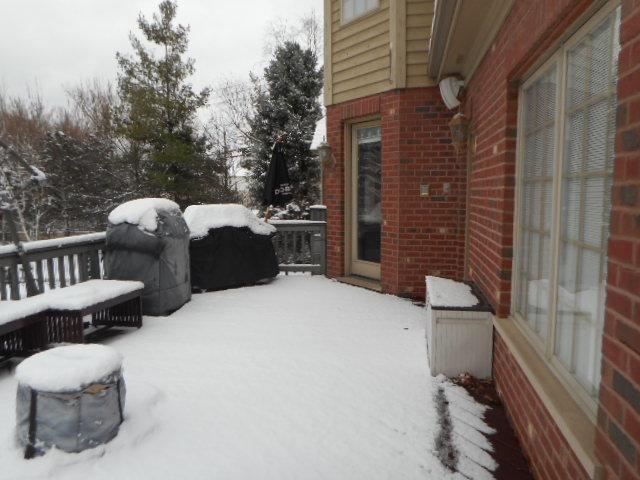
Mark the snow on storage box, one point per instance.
(459, 329)
(70, 397)
(148, 240)
(230, 247)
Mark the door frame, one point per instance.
(371, 270)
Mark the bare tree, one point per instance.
(234, 107)
(307, 32)
(23, 126)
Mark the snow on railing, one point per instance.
(55, 263)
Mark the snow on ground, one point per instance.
(303, 378)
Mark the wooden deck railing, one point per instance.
(300, 246)
(55, 263)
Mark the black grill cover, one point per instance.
(231, 257)
(159, 259)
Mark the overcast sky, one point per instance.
(55, 44)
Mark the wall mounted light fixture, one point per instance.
(325, 154)
(459, 126)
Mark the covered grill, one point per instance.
(230, 247)
(148, 240)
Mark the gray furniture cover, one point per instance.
(73, 420)
(159, 259)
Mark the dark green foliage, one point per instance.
(287, 104)
(158, 109)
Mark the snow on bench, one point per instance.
(85, 294)
(56, 316)
(16, 309)
(74, 297)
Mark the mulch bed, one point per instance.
(507, 451)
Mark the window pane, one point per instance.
(585, 209)
(369, 193)
(536, 197)
(352, 9)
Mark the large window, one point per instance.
(352, 9)
(566, 154)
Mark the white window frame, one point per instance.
(368, 11)
(546, 348)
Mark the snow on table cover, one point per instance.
(202, 218)
(142, 212)
(68, 368)
(444, 292)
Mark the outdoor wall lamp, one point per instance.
(325, 154)
(459, 126)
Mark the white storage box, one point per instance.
(459, 338)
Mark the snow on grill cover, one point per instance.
(230, 247)
(78, 393)
(148, 240)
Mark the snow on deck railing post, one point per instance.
(318, 213)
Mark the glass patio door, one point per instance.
(366, 197)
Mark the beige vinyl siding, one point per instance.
(419, 19)
(360, 57)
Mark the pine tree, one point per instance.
(287, 104)
(158, 110)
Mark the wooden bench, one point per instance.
(57, 316)
(109, 302)
(22, 328)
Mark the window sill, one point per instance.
(576, 426)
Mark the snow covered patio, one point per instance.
(304, 378)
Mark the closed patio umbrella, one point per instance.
(277, 189)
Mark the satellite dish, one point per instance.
(449, 90)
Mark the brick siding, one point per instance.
(530, 29)
(420, 235)
(618, 435)
(548, 452)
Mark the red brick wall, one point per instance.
(531, 29)
(618, 437)
(548, 452)
(420, 235)
(492, 101)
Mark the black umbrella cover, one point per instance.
(277, 189)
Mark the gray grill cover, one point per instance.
(72, 421)
(159, 259)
